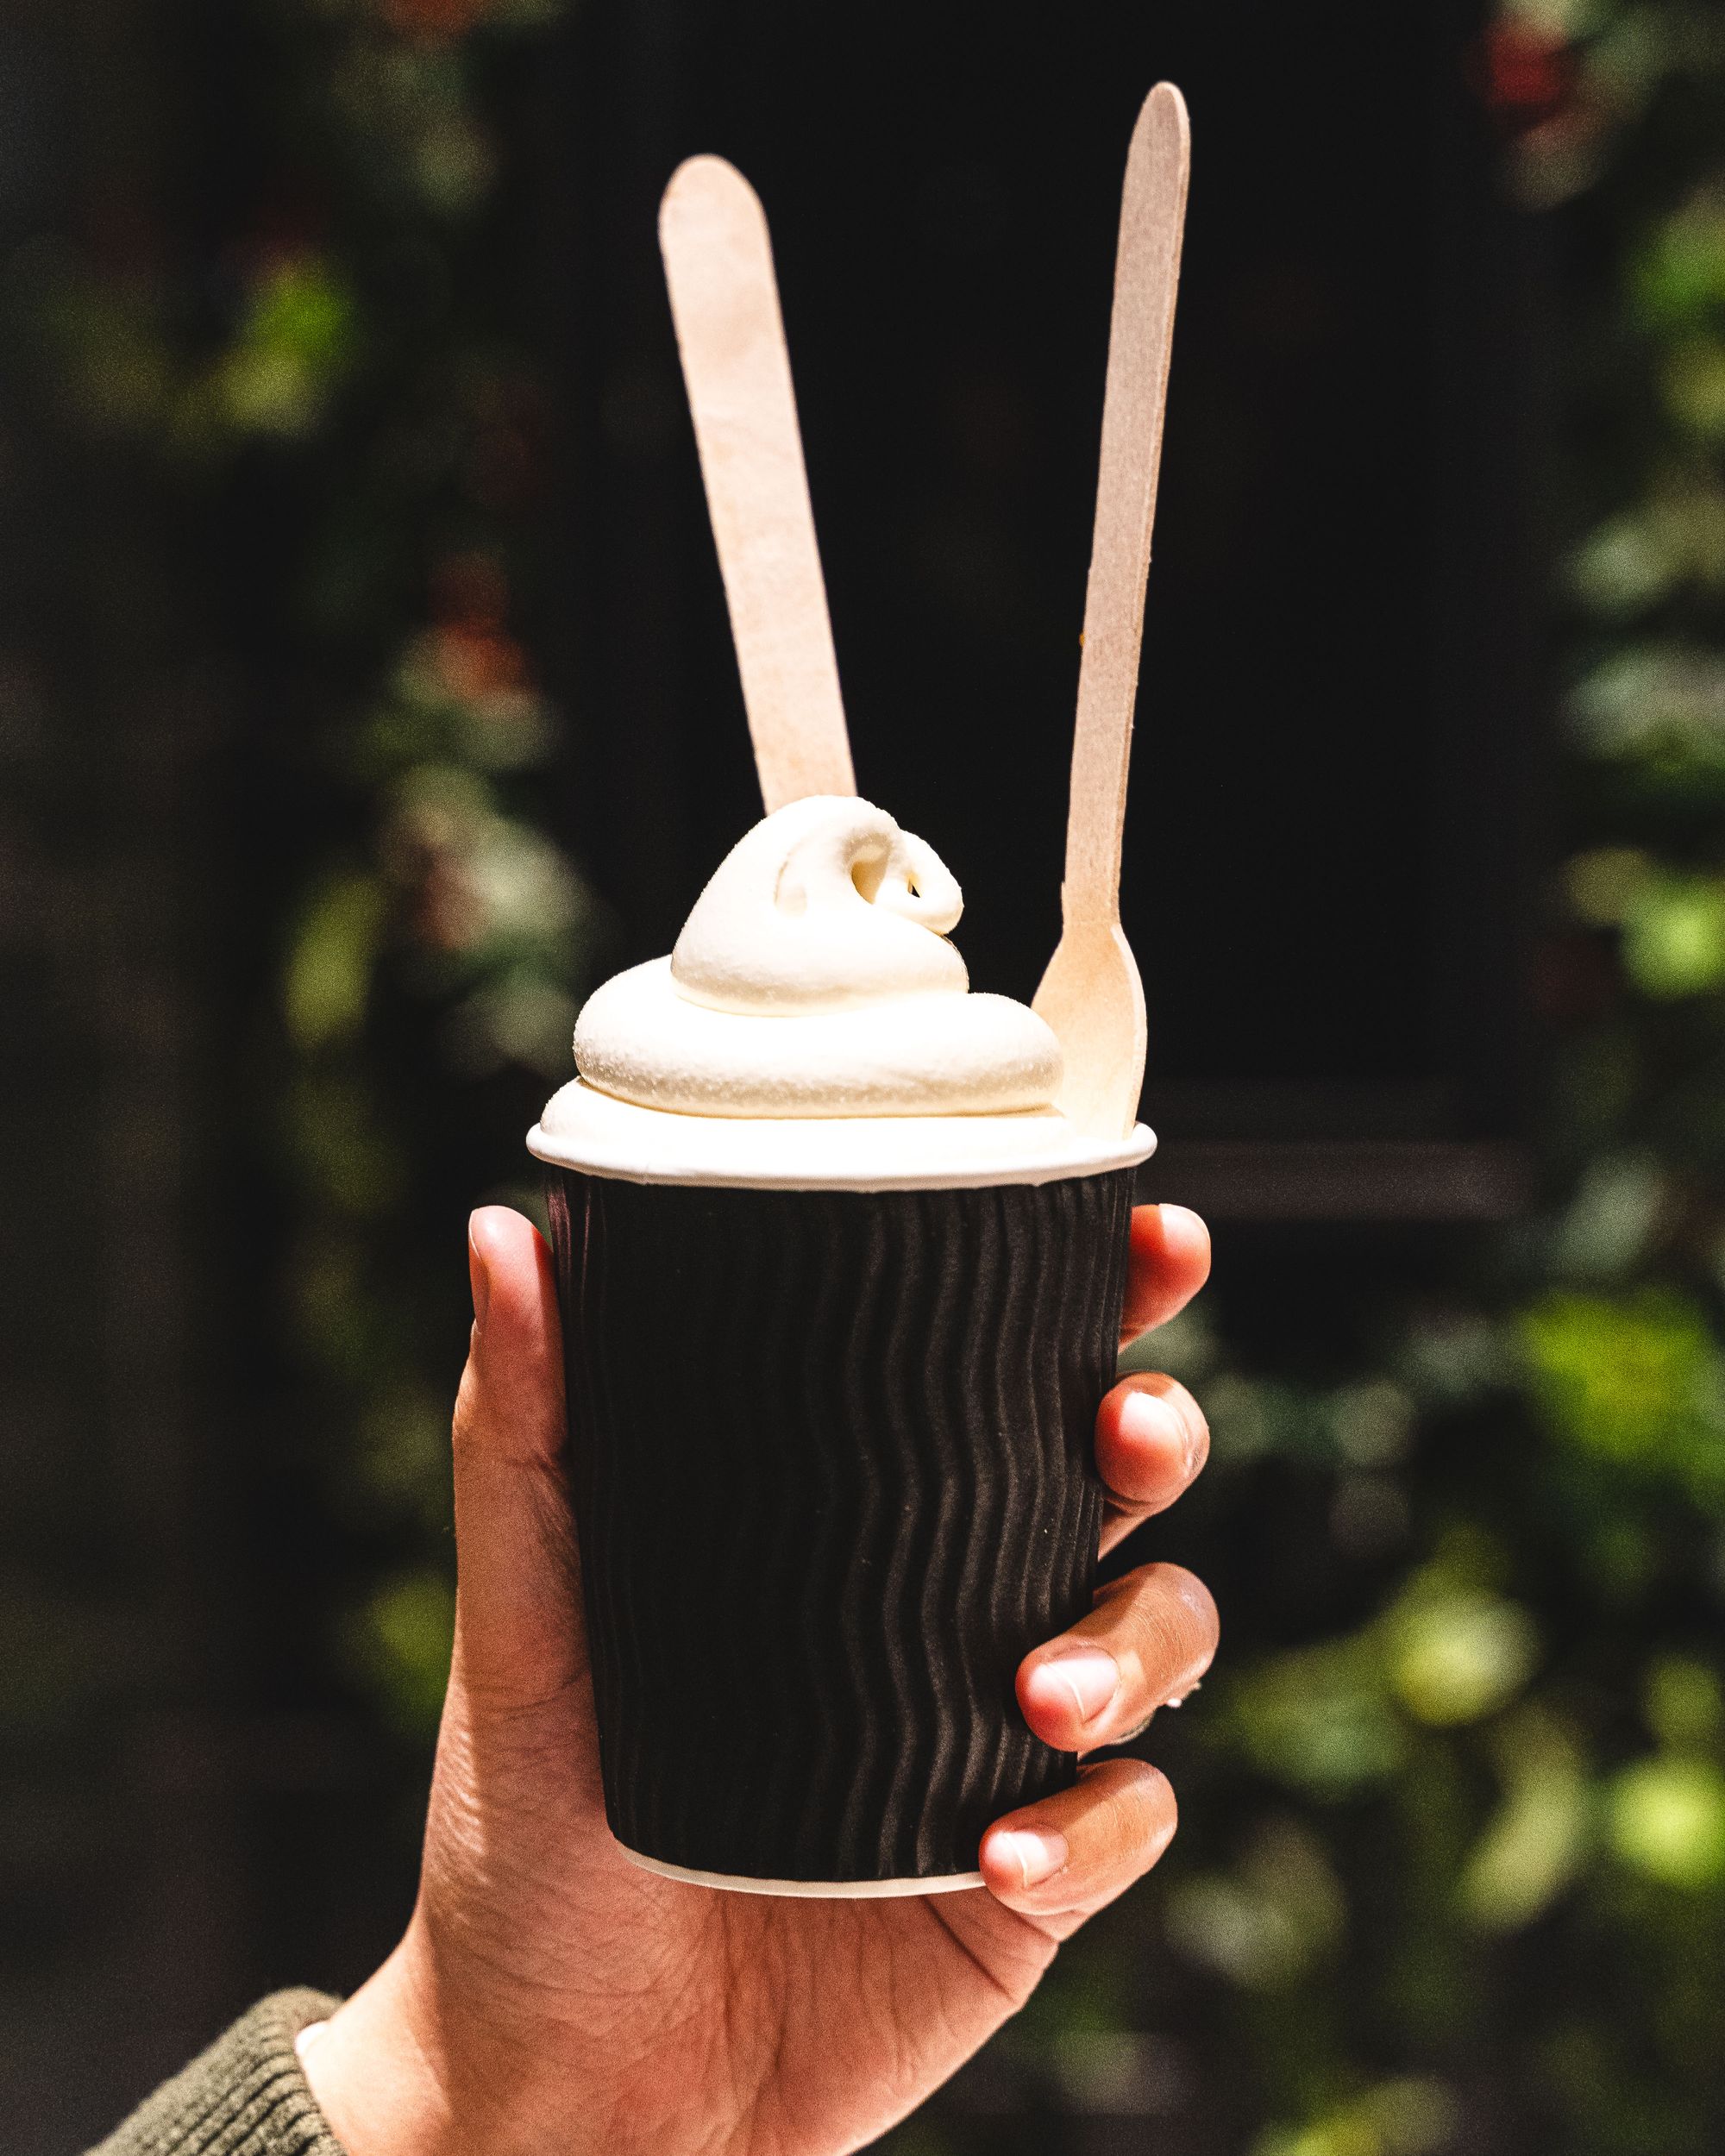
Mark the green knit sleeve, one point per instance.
(245, 2096)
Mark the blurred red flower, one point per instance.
(435, 19)
(474, 662)
(1525, 75)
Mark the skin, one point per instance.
(550, 1996)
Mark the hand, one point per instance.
(549, 1995)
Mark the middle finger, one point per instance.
(1151, 1444)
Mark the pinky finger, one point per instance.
(1076, 1851)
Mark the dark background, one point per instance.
(214, 1720)
(1343, 596)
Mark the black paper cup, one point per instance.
(832, 1463)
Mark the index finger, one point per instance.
(1169, 1263)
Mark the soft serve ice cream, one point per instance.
(814, 978)
(815, 1027)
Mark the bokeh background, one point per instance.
(366, 695)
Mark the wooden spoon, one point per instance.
(725, 300)
(1091, 994)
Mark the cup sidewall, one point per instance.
(832, 1465)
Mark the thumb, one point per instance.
(520, 1638)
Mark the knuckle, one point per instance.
(1150, 1815)
(1166, 1649)
(1161, 1808)
(1140, 1811)
(1195, 1601)
(466, 1431)
(1178, 1626)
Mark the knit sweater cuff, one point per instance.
(245, 2097)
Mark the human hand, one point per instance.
(551, 1995)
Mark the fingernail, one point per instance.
(1034, 1857)
(479, 1276)
(1193, 1687)
(1086, 1682)
(1149, 1419)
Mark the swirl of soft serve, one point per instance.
(814, 978)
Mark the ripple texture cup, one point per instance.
(831, 1455)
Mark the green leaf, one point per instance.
(303, 309)
(332, 959)
(1602, 886)
(1408, 2117)
(1648, 695)
(1623, 567)
(1674, 538)
(1558, 19)
(1318, 1720)
(1264, 1925)
(402, 1641)
(1667, 1821)
(1679, 279)
(1694, 384)
(1457, 1656)
(297, 343)
(1674, 937)
(1634, 1380)
(1611, 1219)
(1536, 1842)
(1684, 1704)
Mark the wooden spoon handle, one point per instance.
(1140, 340)
(725, 300)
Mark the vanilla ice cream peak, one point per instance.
(825, 905)
(813, 978)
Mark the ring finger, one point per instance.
(1147, 1641)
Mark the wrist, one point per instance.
(418, 2064)
(397, 2071)
(382, 2092)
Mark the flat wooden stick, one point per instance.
(1091, 994)
(725, 300)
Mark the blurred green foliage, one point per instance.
(1452, 1872)
(1484, 1831)
(438, 936)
